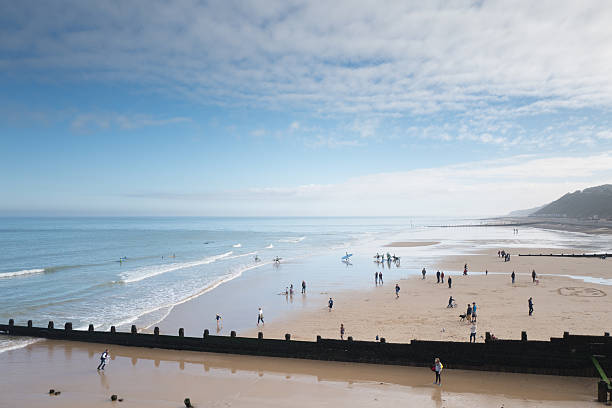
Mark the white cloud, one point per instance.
(493, 187)
(92, 122)
(392, 57)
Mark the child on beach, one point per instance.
(330, 304)
(341, 331)
(260, 317)
(103, 358)
(397, 290)
(438, 369)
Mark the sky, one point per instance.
(292, 108)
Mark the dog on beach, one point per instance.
(462, 316)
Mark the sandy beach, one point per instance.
(162, 378)
(420, 312)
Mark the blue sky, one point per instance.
(301, 108)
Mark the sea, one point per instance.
(121, 270)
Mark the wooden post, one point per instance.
(11, 322)
(134, 330)
(349, 338)
(318, 338)
(206, 332)
(602, 391)
(50, 326)
(181, 332)
(383, 340)
(523, 336)
(68, 327)
(156, 331)
(487, 336)
(29, 324)
(113, 330)
(287, 336)
(90, 328)
(232, 333)
(260, 335)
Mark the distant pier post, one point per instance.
(134, 330)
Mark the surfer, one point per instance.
(256, 258)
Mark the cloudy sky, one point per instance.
(302, 108)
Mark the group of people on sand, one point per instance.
(503, 254)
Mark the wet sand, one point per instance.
(411, 244)
(162, 378)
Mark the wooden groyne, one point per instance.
(569, 355)
(601, 256)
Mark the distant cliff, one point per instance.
(590, 203)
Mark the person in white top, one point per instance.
(260, 317)
(103, 358)
(473, 333)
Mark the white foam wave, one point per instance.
(16, 343)
(242, 255)
(21, 273)
(293, 240)
(151, 271)
(270, 246)
(237, 245)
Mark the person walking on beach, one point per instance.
(330, 304)
(530, 302)
(450, 282)
(473, 333)
(341, 331)
(438, 369)
(533, 276)
(397, 289)
(423, 272)
(380, 280)
(260, 317)
(438, 276)
(103, 358)
(468, 314)
(376, 278)
(442, 276)
(218, 318)
(303, 287)
(513, 277)
(474, 312)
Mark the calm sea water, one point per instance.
(116, 271)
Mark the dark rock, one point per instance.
(114, 397)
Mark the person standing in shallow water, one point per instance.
(376, 278)
(380, 280)
(423, 272)
(438, 276)
(303, 287)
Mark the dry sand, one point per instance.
(561, 303)
(162, 378)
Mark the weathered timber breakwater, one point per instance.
(601, 256)
(569, 355)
